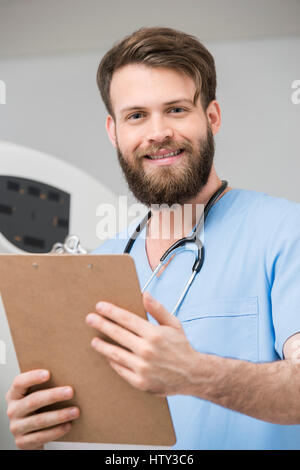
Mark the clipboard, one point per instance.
(46, 299)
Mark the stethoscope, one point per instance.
(192, 241)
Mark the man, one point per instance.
(227, 362)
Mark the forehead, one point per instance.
(143, 86)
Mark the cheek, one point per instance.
(190, 130)
(128, 139)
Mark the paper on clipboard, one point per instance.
(46, 299)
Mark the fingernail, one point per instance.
(73, 412)
(67, 392)
(44, 374)
(90, 318)
(99, 306)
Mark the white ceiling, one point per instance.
(39, 27)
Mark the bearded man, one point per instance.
(226, 360)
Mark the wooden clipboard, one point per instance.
(46, 299)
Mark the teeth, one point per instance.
(172, 154)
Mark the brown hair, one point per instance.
(161, 47)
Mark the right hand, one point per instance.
(29, 429)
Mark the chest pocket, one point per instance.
(226, 327)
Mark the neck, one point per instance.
(175, 223)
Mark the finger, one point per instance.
(158, 311)
(36, 400)
(128, 375)
(23, 381)
(39, 438)
(41, 421)
(117, 333)
(129, 320)
(116, 354)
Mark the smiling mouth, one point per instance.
(167, 155)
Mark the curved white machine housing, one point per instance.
(40, 184)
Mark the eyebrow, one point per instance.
(168, 103)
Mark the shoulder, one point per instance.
(266, 209)
(272, 223)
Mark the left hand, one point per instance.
(157, 359)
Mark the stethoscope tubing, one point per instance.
(193, 238)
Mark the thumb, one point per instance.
(158, 311)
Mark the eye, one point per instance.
(177, 110)
(135, 116)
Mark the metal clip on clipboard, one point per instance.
(71, 246)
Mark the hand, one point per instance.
(157, 359)
(29, 429)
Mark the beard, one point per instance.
(170, 184)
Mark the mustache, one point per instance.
(152, 149)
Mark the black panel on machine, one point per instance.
(33, 215)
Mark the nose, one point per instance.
(159, 130)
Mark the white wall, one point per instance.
(258, 147)
(53, 105)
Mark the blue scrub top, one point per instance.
(244, 304)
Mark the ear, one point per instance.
(213, 113)
(111, 130)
